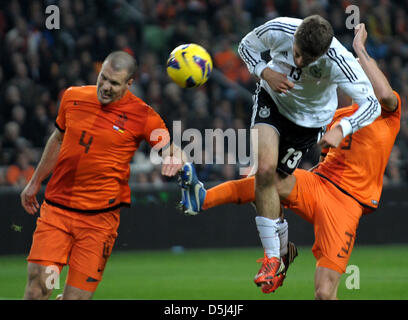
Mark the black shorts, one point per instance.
(294, 140)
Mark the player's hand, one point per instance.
(29, 199)
(277, 81)
(332, 138)
(360, 36)
(171, 166)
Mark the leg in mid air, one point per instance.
(193, 193)
(281, 145)
(268, 220)
(195, 198)
(306, 194)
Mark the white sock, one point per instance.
(268, 233)
(283, 236)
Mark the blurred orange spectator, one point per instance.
(230, 64)
(166, 11)
(20, 173)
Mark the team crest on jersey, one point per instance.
(265, 112)
(315, 71)
(120, 123)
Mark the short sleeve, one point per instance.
(156, 132)
(61, 117)
(393, 118)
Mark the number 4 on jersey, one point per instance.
(82, 142)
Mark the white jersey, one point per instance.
(313, 100)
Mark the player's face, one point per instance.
(111, 85)
(301, 59)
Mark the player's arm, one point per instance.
(350, 77)
(382, 87)
(158, 136)
(48, 159)
(45, 167)
(264, 38)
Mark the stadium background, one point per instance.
(37, 65)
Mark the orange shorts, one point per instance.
(83, 241)
(334, 215)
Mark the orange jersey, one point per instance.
(92, 170)
(357, 166)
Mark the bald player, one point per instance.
(98, 130)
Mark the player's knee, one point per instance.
(324, 293)
(36, 292)
(36, 288)
(326, 283)
(265, 173)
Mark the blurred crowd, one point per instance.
(38, 64)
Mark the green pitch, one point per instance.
(226, 274)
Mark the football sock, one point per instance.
(234, 191)
(269, 234)
(283, 236)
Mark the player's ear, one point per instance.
(129, 83)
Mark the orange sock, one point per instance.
(234, 191)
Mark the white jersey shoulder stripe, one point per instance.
(288, 27)
(348, 67)
(366, 114)
(247, 57)
(343, 65)
(275, 27)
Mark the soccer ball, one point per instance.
(189, 65)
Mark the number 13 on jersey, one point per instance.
(292, 158)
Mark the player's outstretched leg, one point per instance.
(192, 191)
(277, 280)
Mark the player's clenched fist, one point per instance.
(332, 138)
(276, 80)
